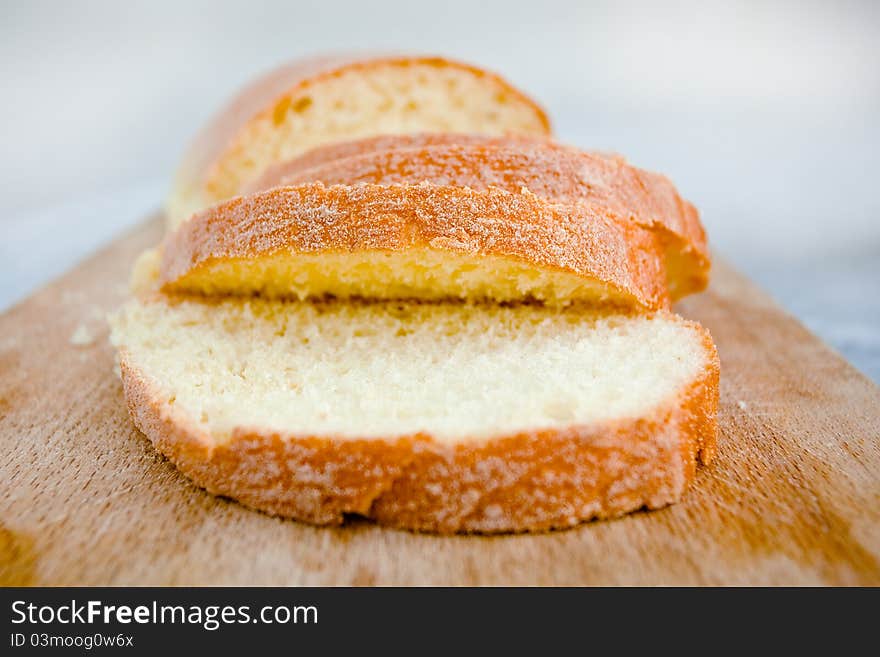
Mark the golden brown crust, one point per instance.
(581, 240)
(263, 95)
(340, 150)
(530, 481)
(550, 170)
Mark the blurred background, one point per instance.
(765, 114)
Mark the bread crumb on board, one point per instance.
(82, 336)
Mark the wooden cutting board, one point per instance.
(792, 498)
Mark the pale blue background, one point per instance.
(764, 114)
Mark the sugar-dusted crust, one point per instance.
(583, 240)
(531, 481)
(265, 94)
(547, 169)
(340, 150)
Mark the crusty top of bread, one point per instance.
(287, 93)
(415, 241)
(546, 168)
(378, 143)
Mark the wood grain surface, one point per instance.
(792, 498)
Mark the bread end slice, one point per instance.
(430, 417)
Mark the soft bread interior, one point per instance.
(362, 102)
(457, 372)
(408, 274)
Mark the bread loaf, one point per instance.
(439, 331)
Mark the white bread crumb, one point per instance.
(82, 336)
(395, 369)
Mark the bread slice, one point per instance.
(437, 417)
(414, 241)
(549, 170)
(322, 100)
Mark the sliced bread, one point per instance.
(547, 169)
(438, 417)
(414, 241)
(322, 100)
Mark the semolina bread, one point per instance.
(322, 100)
(549, 170)
(414, 242)
(436, 417)
(342, 317)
